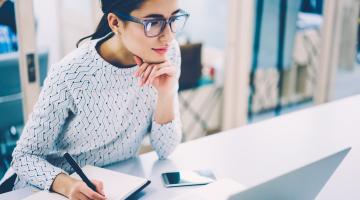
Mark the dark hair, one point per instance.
(107, 6)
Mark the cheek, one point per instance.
(137, 43)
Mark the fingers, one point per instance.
(155, 68)
(81, 191)
(138, 60)
(141, 64)
(170, 71)
(146, 74)
(142, 69)
(89, 193)
(81, 196)
(99, 186)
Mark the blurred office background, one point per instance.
(243, 61)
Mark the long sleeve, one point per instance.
(41, 131)
(165, 137)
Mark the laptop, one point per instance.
(303, 183)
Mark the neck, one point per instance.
(114, 52)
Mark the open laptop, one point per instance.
(303, 183)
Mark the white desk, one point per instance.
(255, 153)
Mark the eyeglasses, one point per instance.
(155, 26)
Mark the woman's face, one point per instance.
(150, 49)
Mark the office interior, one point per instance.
(243, 62)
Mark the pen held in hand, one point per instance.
(78, 170)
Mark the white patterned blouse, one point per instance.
(94, 111)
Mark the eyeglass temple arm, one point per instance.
(129, 17)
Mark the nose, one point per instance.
(167, 35)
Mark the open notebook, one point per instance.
(116, 185)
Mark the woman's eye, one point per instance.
(151, 24)
(155, 23)
(148, 26)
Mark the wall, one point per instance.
(207, 22)
(60, 24)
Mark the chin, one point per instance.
(156, 59)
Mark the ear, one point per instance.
(115, 23)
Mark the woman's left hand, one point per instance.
(162, 76)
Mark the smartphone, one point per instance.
(187, 178)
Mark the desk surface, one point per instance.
(258, 152)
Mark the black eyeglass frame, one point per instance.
(145, 22)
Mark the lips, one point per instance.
(161, 51)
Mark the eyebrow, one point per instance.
(162, 16)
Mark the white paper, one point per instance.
(116, 185)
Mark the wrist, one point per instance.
(166, 95)
(69, 186)
(63, 184)
(165, 108)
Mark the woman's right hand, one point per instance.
(77, 190)
(80, 191)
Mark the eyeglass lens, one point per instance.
(155, 27)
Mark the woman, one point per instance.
(100, 101)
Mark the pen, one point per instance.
(78, 170)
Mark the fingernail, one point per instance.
(137, 60)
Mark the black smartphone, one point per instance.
(187, 178)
